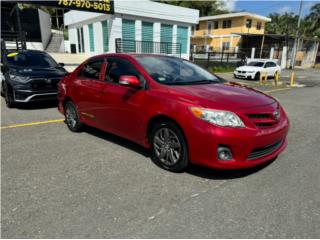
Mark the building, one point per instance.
(29, 27)
(135, 27)
(214, 33)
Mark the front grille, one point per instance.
(241, 71)
(44, 83)
(263, 120)
(264, 151)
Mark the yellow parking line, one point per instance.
(277, 90)
(32, 124)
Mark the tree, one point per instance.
(206, 8)
(287, 23)
(284, 24)
(313, 21)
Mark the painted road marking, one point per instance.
(277, 90)
(32, 124)
(61, 120)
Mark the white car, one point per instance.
(255, 68)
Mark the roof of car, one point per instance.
(261, 60)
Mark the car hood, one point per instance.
(38, 72)
(249, 68)
(227, 96)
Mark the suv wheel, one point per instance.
(8, 97)
(168, 146)
(72, 118)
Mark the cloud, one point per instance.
(229, 4)
(285, 9)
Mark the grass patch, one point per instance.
(317, 66)
(221, 69)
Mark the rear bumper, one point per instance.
(25, 96)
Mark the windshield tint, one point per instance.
(175, 71)
(30, 59)
(256, 64)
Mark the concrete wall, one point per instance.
(45, 27)
(35, 46)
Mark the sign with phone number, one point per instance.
(101, 6)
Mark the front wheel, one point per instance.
(72, 118)
(257, 76)
(169, 147)
(8, 97)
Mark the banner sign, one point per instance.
(100, 6)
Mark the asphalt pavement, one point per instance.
(59, 184)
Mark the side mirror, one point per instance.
(61, 64)
(130, 81)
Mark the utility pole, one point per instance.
(294, 51)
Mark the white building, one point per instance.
(142, 25)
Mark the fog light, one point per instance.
(224, 153)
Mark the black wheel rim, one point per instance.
(167, 146)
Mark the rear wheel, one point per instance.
(72, 117)
(169, 148)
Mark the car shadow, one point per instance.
(117, 140)
(196, 170)
(219, 174)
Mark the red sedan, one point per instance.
(183, 113)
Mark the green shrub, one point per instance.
(219, 69)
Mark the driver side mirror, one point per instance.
(129, 81)
(61, 64)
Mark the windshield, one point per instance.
(30, 59)
(256, 64)
(175, 71)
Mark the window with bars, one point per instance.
(105, 35)
(182, 38)
(91, 37)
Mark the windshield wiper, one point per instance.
(202, 82)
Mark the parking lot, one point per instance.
(59, 184)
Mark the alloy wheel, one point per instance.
(167, 146)
(71, 116)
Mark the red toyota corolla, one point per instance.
(183, 113)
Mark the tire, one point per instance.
(2, 90)
(72, 118)
(257, 76)
(168, 147)
(8, 97)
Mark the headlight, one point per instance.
(218, 117)
(18, 79)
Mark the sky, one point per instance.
(264, 8)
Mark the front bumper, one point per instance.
(243, 75)
(250, 147)
(25, 96)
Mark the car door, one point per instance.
(271, 68)
(88, 90)
(123, 107)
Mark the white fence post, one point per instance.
(252, 53)
(271, 53)
(284, 58)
